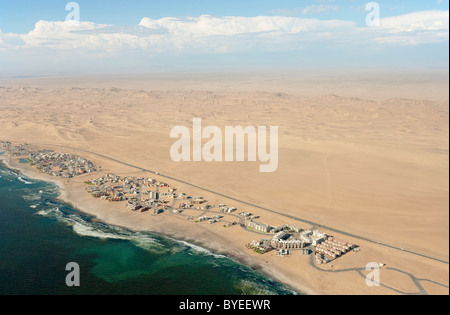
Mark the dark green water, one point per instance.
(39, 236)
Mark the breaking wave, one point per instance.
(90, 231)
(24, 181)
(248, 287)
(86, 228)
(32, 197)
(6, 171)
(197, 249)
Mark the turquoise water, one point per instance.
(40, 235)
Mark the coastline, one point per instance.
(206, 243)
(405, 272)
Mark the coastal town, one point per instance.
(150, 195)
(140, 194)
(49, 162)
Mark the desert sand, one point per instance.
(373, 166)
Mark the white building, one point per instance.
(261, 227)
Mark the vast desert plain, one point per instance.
(364, 157)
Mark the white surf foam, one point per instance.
(31, 197)
(87, 230)
(101, 231)
(200, 249)
(24, 181)
(248, 287)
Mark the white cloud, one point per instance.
(417, 21)
(288, 12)
(228, 26)
(208, 34)
(10, 41)
(414, 29)
(314, 9)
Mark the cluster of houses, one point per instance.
(140, 193)
(17, 150)
(130, 184)
(61, 164)
(287, 238)
(215, 218)
(202, 218)
(330, 249)
(50, 162)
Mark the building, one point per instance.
(260, 227)
(317, 238)
(153, 195)
(287, 244)
(313, 237)
(199, 200)
(280, 241)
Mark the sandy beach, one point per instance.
(374, 168)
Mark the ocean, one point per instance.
(40, 235)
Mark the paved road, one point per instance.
(314, 224)
(416, 281)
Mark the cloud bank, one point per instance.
(208, 42)
(208, 34)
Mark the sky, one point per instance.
(39, 37)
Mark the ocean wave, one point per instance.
(90, 231)
(32, 197)
(86, 228)
(9, 172)
(47, 212)
(150, 244)
(24, 181)
(199, 249)
(6, 171)
(79, 226)
(248, 287)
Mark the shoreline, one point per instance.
(63, 196)
(405, 273)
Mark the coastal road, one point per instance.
(314, 224)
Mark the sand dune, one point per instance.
(371, 166)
